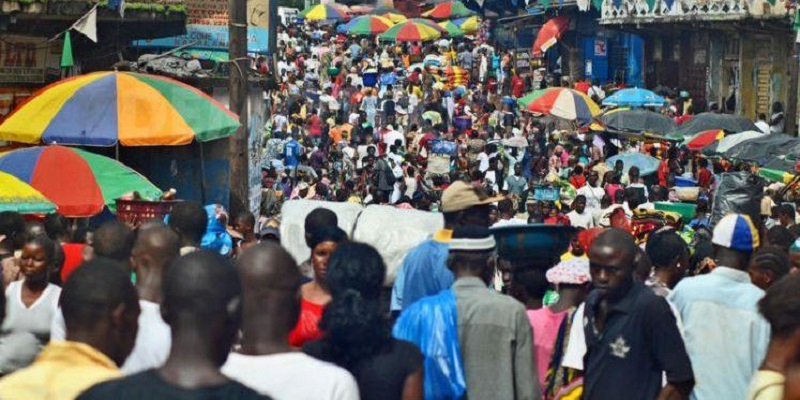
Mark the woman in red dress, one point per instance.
(315, 293)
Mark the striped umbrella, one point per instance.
(452, 29)
(411, 31)
(106, 108)
(430, 23)
(448, 10)
(524, 101)
(469, 25)
(704, 139)
(321, 12)
(18, 196)
(368, 25)
(566, 103)
(80, 183)
(392, 14)
(550, 34)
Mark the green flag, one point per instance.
(66, 53)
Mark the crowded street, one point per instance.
(409, 200)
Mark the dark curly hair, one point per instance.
(354, 325)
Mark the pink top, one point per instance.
(545, 324)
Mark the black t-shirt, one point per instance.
(382, 376)
(149, 385)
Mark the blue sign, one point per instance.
(208, 37)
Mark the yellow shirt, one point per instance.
(766, 385)
(62, 371)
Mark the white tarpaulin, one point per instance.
(394, 232)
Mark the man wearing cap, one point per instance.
(630, 333)
(493, 330)
(725, 335)
(424, 271)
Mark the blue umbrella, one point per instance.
(634, 98)
(647, 164)
(344, 28)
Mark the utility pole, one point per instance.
(237, 89)
(791, 101)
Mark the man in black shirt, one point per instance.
(631, 334)
(202, 306)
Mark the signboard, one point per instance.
(25, 59)
(523, 59)
(206, 37)
(600, 49)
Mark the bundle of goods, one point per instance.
(645, 222)
(456, 77)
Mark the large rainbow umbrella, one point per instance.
(469, 25)
(411, 31)
(106, 108)
(564, 103)
(321, 12)
(448, 10)
(452, 29)
(368, 25)
(80, 183)
(524, 101)
(18, 196)
(392, 14)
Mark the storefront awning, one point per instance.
(210, 38)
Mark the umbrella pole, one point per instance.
(116, 151)
(202, 173)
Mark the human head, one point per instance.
(786, 215)
(633, 174)
(189, 220)
(668, 252)
(202, 297)
(779, 236)
(734, 238)
(245, 223)
(518, 169)
(114, 240)
(353, 322)
(12, 226)
(472, 252)
(101, 308)
(780, 306)
(506, 208)
(38, 259)
(56, 227)
(318, 219)
(579, 204)
(768, 265)
(271, 284)
(526, 284)
(659, 193)
(463, 204)
(619, 165)
(612, 256)
(323, 243)
(155, 248)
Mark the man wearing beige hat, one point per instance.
(424, 271)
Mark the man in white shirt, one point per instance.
(762, 123)
(592, 193)
(392, 135)
(155, 249)
(579, 217)
(271, 305)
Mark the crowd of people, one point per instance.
(643, 303)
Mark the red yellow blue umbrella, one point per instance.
(323, 12)
(106, 108)
(411, 31)
(448, 10)
(566, 103)
(368, 25)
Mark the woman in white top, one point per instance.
(31, 304)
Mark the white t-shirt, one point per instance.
(593, 196)
(292, 376)
(153, 341)
(585, 220)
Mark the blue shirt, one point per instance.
(424, 271)
(291, 154)
(725, 335)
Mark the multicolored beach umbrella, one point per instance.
(550, 34)
(321, 12)
(392, 14)
(469, 25)
(566, 103)
(411, 31)
(775, 175)
(18, 196)
(78, 182)
(368, 25)
(704, 139)
(524, 101)
(452, 29)
(448, 10)
(106, 108)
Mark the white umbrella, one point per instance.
(732, 140)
